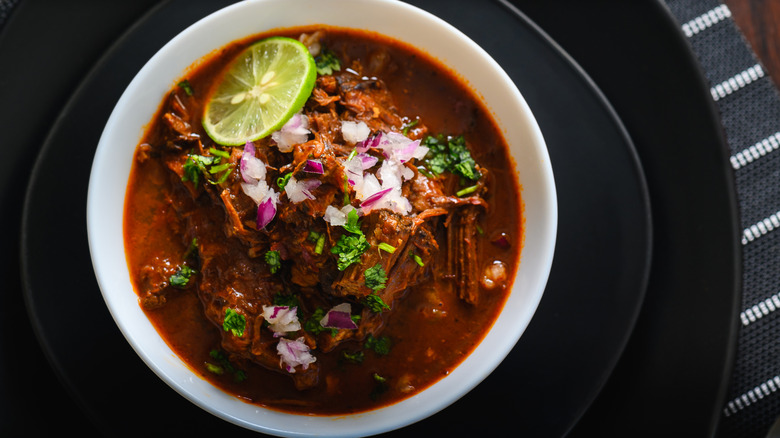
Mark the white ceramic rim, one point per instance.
(111, 168)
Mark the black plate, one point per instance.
(584, 320)
(571, 345)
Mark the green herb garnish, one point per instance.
(416, 258)
(327, 62)
(349, 248)
(467, 191)
(186, 86)
(380, 346)
(234, 322)
(181, 278)
(386, 247)
(274, 261)
(352, 224)
(356, 357)
(238, 375)
(282, 180)
(450, 154)
(375, 277)
(375, 303)
(197, 165)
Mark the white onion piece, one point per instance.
(294, 353)
(295, 131)
(337, 217)
(354, 132)
(299, 191)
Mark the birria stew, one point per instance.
(345, 262)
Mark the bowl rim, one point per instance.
(427, 402)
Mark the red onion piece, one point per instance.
(294, 353)
(339, 317)
(266, 211)
(373, 199)
(249, 164)
(502, 241)
(314, 166)
(368, 161)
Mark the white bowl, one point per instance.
(125, 127)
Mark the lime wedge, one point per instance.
(260, 91)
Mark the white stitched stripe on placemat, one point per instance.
(737, 82)
(758, 311)
(706, 20)
(760, 228)
(752, 396)
(756, 151)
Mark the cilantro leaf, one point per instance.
(326, 62)
(375, 303)
(356, 357)
(181, 278)
(450, 154)
(349, 248)
(313, 326)
(375, 277)
(186, 86)
(352, 224)
(238, 375)
(274, 261)
(379, 345)
(234, 322)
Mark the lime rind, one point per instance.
(250, 103)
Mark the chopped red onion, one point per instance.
(294, 353)
(313, 166)
(339, 317)
(252, 168)
(337, 217)
(266, 211)
(373, 199)
(295, 131)
(299, 191)
(282, 319)
(501, 241)
(368, 161)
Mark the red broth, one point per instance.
(438, 312)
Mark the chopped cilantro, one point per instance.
(234, 322)
(467, 191)
(282, 180)
(386, 247)
(320, 244)
(313, 326)
(238, 375)
(274, 261)
(352, 224)
(375, 277)
(349, 248)
(186, 86)
(356, 357)
(375, 303)
(216, 369)
(450, 154)
(379, 387)
(326, 62)
(313, 236)
(416, 258)
(181, 278)
(197, 165)
(379, 345)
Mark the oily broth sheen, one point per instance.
(432, 330)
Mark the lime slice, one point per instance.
(260, 91)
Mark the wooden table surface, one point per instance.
(759, 21)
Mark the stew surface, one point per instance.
(439, 250)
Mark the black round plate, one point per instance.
(596, 287)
